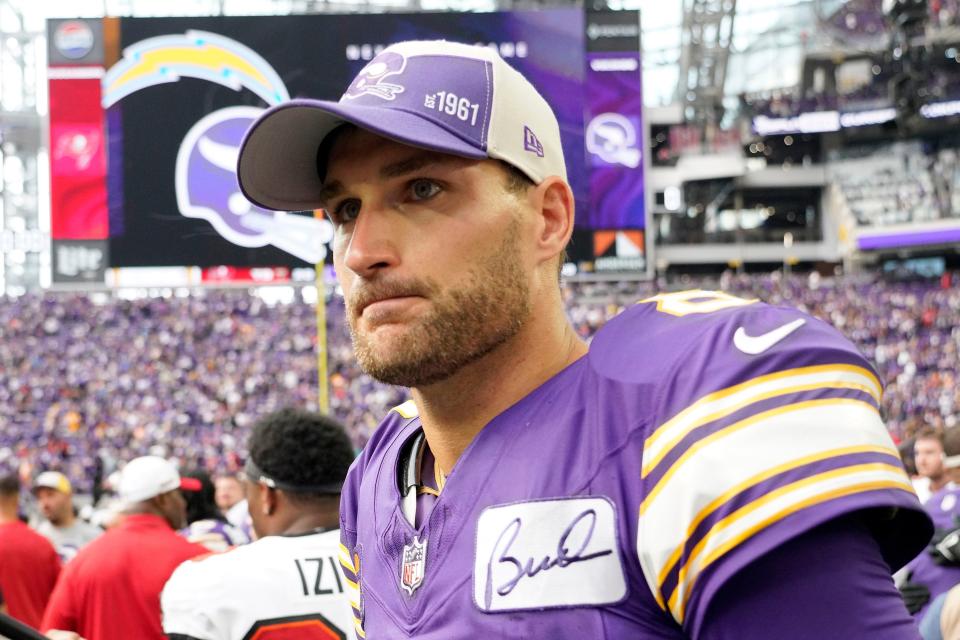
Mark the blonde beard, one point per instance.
(464, 325)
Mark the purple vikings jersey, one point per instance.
(944, 509)
(700, 432)
(215, 535)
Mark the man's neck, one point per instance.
(145, 509)
(454, 411)
(8, 515)
(66, 522)
(309, 522)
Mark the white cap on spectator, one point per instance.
(150, 476)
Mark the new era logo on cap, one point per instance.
(443, 96)
(531, 143)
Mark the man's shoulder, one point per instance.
(20, 535)
(204, 576)
(164, 541)
(245, 564)
(400, 420)
(93, 553)
(45, 528)
(212, 565)
(945, 499)
(80, 532)
(269, 547)
(671, 334)
(88, 531)
(390, 428)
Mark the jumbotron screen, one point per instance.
(147, 114)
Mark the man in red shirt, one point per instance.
(29, 564)
(111, 589)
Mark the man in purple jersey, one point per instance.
(935, 572)
(709, 467)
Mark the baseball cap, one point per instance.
(150, 476)
(53, 480)
(438, 95)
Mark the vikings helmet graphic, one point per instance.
(206, 181)
(371, 79)
(613, 138)
(207, 188)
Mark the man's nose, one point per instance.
(372, 244)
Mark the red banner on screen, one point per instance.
(245, 275)
(78, 160)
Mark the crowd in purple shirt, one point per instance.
(187, 376)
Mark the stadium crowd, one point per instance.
(89, 385)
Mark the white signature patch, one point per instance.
(560, 552)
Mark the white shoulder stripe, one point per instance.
(775, 506)
(746, 450)
(724, 402)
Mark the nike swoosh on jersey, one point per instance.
(754, 345)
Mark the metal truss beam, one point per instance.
(705, 51)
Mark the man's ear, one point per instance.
(268, 499)
(554, 202)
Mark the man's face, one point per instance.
(228, 492)
(55, 505)
(928, 456)
(431, 253)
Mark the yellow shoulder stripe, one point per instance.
(407, 410)
(723, 393)
(737, 426)
(662, 447)
(680, 597)
(726, 496)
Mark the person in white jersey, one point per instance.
(286, 584)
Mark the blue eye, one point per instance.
(423, 189)
(346, 211)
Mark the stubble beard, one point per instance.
(463, 325)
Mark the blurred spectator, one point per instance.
(230, 500)
(942, 620)
(111, 589)
(229, 491)
(62, 527)
(297, 465)
(937, 570)
(928, 457)
(29, 565)
(206, 524)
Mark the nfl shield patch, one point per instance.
(413, 564)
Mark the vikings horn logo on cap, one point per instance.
(206, 183)
(370, 81)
